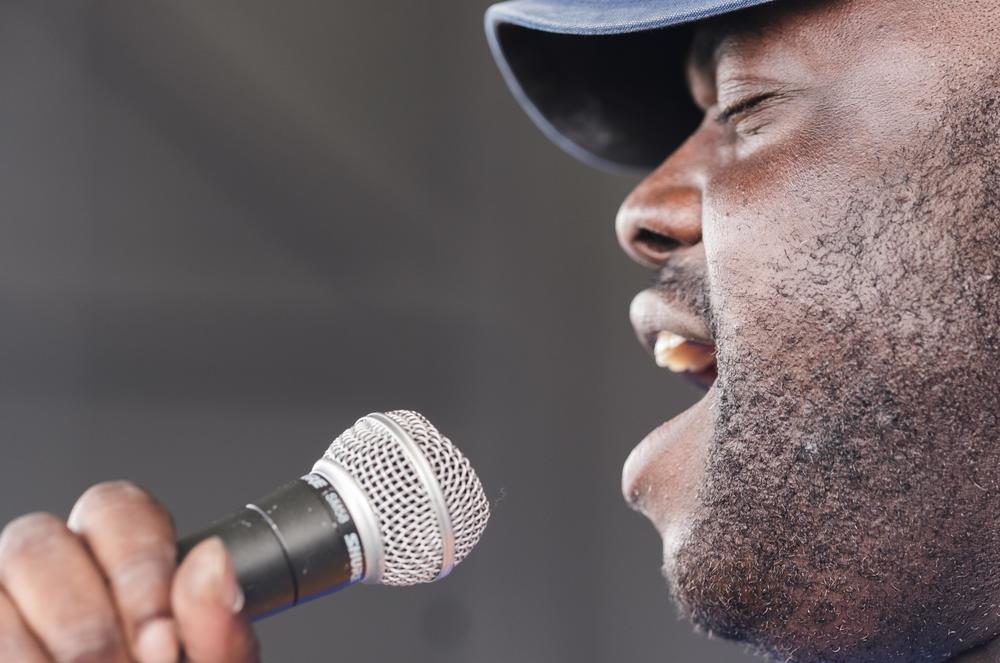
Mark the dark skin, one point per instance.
(832, 230)
(832, 237)
(103, 586)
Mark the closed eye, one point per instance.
(726, 114)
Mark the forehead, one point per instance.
(813, 33)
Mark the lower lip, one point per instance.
(661, 476)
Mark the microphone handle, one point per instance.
(293, 545)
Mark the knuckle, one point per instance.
(112, 493)
(109, 499)
(29, 534)
(86, 641)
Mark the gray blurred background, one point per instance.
(231, 228)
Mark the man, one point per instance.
(825, 236)
(829, 228)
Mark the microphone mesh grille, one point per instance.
(411, 536)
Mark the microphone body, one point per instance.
(293, 545)
(391, 502)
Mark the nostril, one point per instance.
(653, 244)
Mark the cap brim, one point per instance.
(604, 79)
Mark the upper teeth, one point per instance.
(675, 353)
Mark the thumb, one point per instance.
(206, 602)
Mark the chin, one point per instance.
(731, 589)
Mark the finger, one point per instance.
(207, 603)
(132, 538)
(17, 643)
(59, 592)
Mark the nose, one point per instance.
(662, 214)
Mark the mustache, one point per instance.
(686, 281)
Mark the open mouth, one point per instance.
(676, 334)
(675, 330)
(695, 360)
(656, 478)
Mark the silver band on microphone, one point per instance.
(430, 483)
(360, 508)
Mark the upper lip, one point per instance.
(658, 309)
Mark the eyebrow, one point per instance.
(699, 74)
(708, 45)
(711, 44)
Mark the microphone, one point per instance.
(391, 502)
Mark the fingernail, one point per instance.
(157, 642)
(213, 577)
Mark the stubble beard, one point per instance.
(849, 505)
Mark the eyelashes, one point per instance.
(726, 114)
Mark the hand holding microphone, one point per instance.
(391, 502)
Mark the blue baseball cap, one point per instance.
(604, 79)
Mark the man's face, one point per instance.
(832, 233)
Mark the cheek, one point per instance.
(752, 219)
(765, 222)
